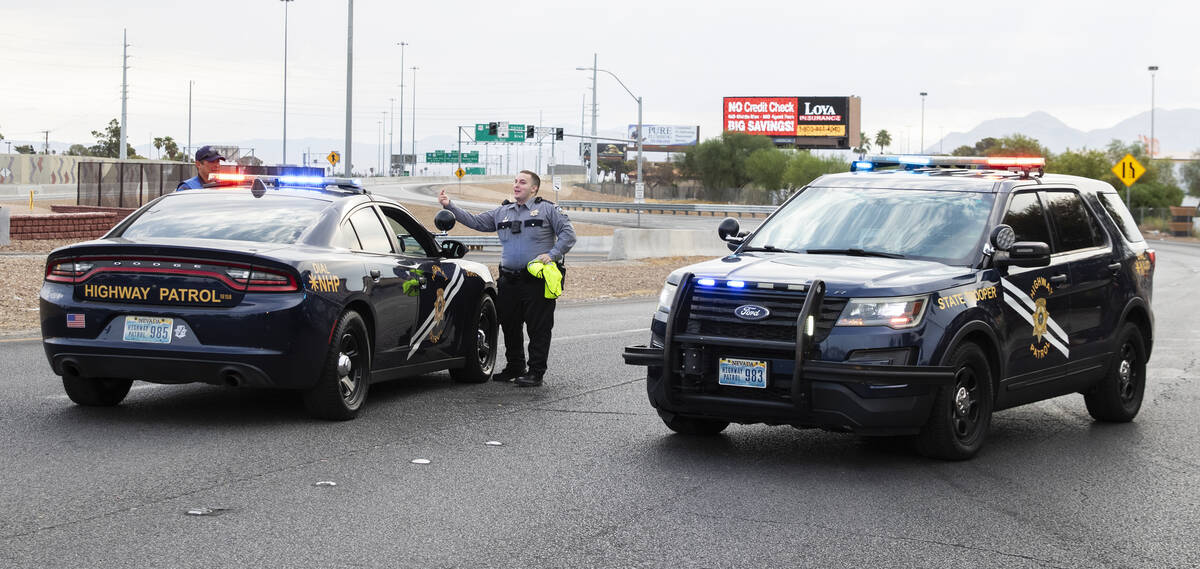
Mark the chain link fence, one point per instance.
(126, 184)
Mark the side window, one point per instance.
(413, 238)
(346, 237)
(1026, 218)
(1121, 217)
(370, 230)
(1075, 227)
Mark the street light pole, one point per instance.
(391, 131)
(1153, 69)
(349, 82)
(414, 119)
(187, 152)
(402, 166)
(595, 151)
(639, 127)
(285, 50)
(921, 150)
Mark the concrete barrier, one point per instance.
(4, 238)
(643, 243)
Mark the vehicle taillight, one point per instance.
(1153, 256)
(67, 271)
(261, 280)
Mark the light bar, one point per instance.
(1018, 161)
(300, 180)
(910, 162)
(736, 284)
(706, 282)
(862, 165)
(228, 177)
(916, 160)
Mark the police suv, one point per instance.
(914, 295)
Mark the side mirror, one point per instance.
(729, 226)
(452, 249)
(1025, 254)
(1003, 237)
(444, 220)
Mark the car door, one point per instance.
(388, 285)
(1088, 251)
(434, 337)
(1036, 343)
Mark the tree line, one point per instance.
(108, 145)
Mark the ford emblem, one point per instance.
(751, 312)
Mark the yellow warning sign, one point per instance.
(1128, 170)
(334, 158)
(460, 173)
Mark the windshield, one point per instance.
(943, 226)
(237, 216)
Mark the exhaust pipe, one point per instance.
(231, 377)
(70, 369)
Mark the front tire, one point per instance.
(962, 412)
(345, 376)
(1118, 397)
(96, 391)
(692, 425)
(479, 345)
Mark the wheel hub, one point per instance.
(1125, 372)
(344, 365)
(962, 401)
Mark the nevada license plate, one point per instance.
(149, 330)
(742, 373)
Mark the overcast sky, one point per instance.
(1082, 61)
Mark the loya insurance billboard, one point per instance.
(803, 122)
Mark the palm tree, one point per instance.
(864, 145)
(158, 145)
(883, 140)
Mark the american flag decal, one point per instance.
(75, 321)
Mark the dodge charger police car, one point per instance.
(283, 282)
(915, 295)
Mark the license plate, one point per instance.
(742, 373)
(149, 330)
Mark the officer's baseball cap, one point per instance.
(207, 154)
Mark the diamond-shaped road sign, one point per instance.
(1128, 170)
(334, 158)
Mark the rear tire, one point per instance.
(346, 374)
(1118, 397)
(962, 411)
(693, 425)
(96, 391)
(479, 345)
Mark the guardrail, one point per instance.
(474, 242)
(674, 209)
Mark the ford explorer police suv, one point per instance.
(914, 295)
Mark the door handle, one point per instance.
(1115, 267)
(1058, 279)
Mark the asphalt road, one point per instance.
(587, 476)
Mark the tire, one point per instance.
(692, 425)
(1118, 397)
(96, 391)
(479, 344)
(962, 411)
(346, 374)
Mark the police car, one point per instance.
(288, 282)
(915, 295)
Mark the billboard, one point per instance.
(609, 151)
(805, 122)
(666, 138)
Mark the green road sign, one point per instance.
(451, 157)
(476, 171)
(516, 133)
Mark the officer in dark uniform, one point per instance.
(530, 228)
(208, 161)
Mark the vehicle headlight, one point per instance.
(666, 296)
(899, 312)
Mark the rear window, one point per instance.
(240, 217)
(1121, 218)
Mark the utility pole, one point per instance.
(592, 144)
(391, 131)
(402, 163)
(1153, 70)
(122, 152)
(349, 81)
(187, 151)
(46, 145)
(582, 121)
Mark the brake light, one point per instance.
(1153, 256)
(67, 271)
(261, 280)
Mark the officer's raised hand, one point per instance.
(443, 198)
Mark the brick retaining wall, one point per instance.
(88, 225)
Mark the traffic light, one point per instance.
(529, 131)
(558, 134)
(493, 128)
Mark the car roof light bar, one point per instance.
(222, 179)
(1023, 164)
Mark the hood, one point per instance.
(843, 275)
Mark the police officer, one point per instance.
(530, 228)
(208, 161)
